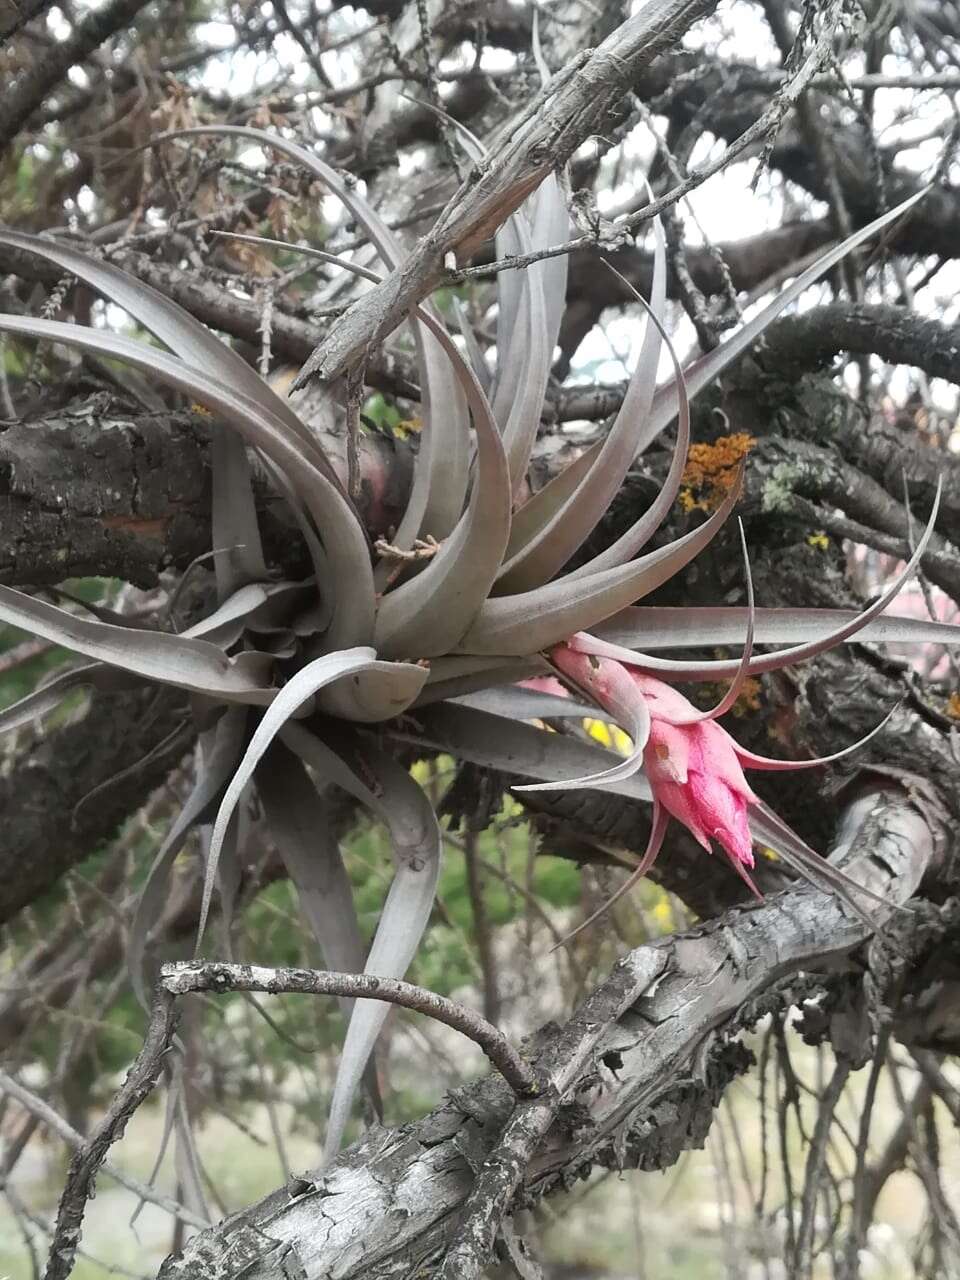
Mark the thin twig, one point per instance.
(81, 1176)
(181, 978)
(481, 928)
(816, 1162)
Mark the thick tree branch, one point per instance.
(98, 489)
(795, 345)
(123, 748)
(393, 1201)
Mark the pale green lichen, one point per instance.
(780, 487)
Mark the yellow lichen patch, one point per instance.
(770, 854)
(711, 471)
(201, 409)
(662, 912)
(953, 705)
(609, 736)
(406, 426)
(819, 540)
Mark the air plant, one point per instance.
(286, 678)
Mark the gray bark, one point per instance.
(390, 1205)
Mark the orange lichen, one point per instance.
(953, 705)
(711, 471)
(749, 699)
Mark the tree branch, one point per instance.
(579, 97)
(47, 828)
(198, 975)
(394, 1200)
(795, 345)
(79, 1187)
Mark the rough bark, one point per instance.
(124, 747)
(390, 1205)
(104, 490)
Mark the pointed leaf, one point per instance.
(474, 354)
(551, 226)
(49, 696)
(154, 655)
(536, 620)
(750, 760)
(640, 532)
(513, 702)
(428, 614)
(384, 690)
(245, 608)
(440, 480)
(343, 536)
(175, 327)
(703, 371)
(515, 748)
(415, 836)
(658, 828)
(301, 687)
(614, 691)
(530, 519)
(217, 757)
(453, 677)
(233, 523)
(300, 824)
(403, 922)
(534, 514)
(770, 829)
(523, 366)
(852, 627)
(654, 627)
(572, 523)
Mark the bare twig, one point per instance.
(81, 1176)
(181, 978)
(816, 1162)
(58, 1125)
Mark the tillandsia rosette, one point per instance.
(435, 650)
